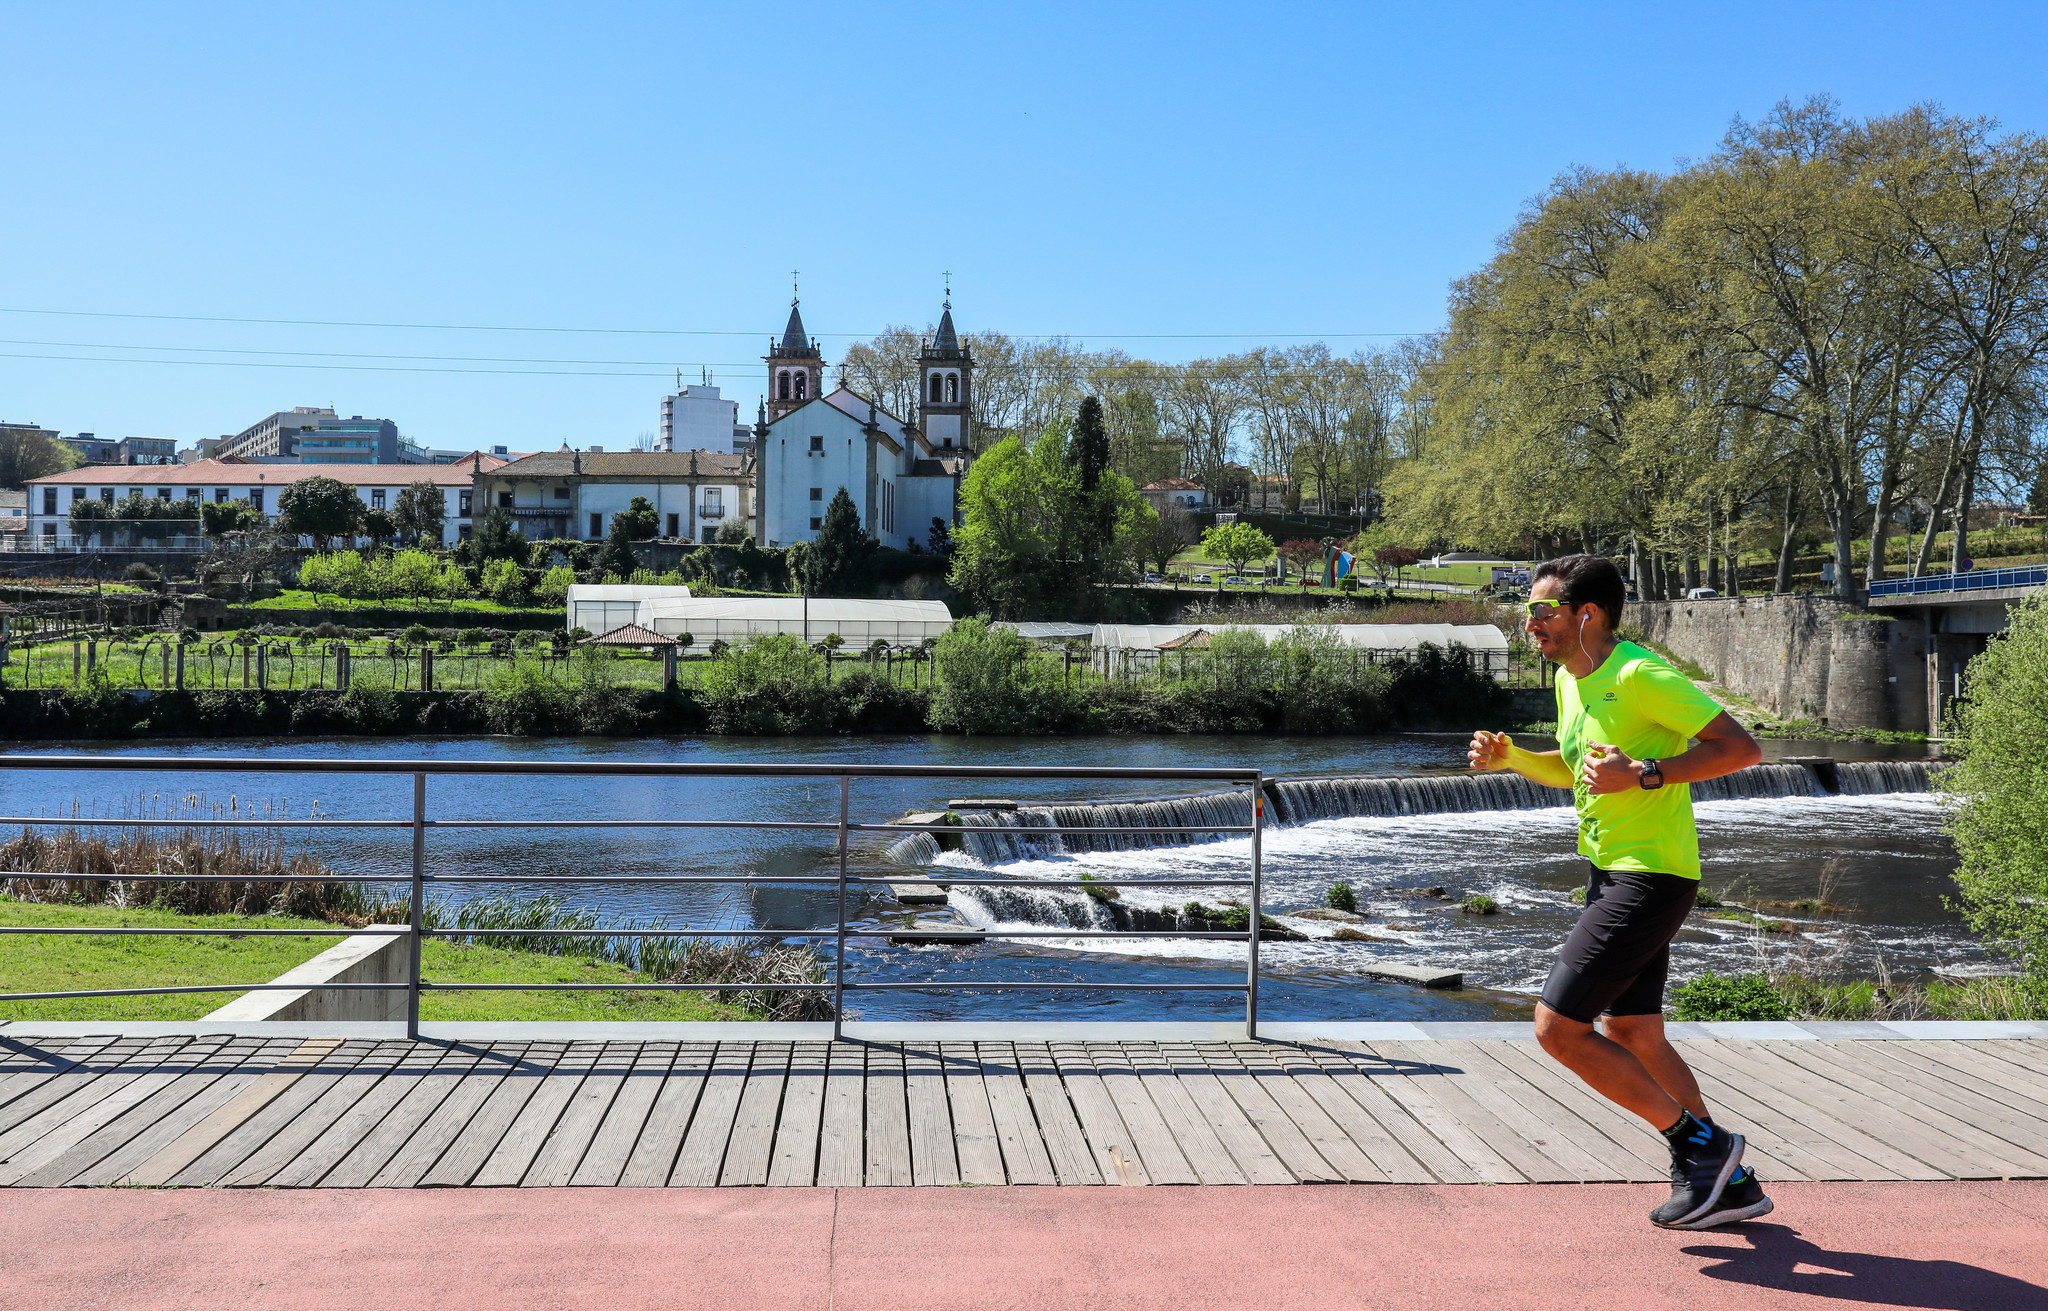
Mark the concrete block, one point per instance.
(1427, 976)
(364, 958)
(946, 933)
(918, 892)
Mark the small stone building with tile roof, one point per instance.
(568, 493)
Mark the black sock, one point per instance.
(1688, 1135)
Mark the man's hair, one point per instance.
(1587, 579)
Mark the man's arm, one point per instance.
(1724, 747)
(1498, 751)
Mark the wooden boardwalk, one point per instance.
(236, 1111)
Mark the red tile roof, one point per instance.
(212, 473)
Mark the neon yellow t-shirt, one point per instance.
(1636, 702)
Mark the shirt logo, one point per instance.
(1608, 697)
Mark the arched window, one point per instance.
(782, 385)
(938, 388)
(953, 388)
(800, 378)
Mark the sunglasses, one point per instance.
(1541, 610)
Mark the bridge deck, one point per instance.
(241, 1111)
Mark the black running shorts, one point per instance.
(1616, 958)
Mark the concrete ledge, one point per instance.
(1003, 1031)
(364, 958)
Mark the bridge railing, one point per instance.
(421, 878)
(1974, 581)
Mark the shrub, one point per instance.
(141, 573)
(417, 635)
(771, 684)
(503, 581)
(991, 680)
(525, 702)
(472, 637)
(1480, 905)
(1341, 897)
(555, 584)
(1726, 997)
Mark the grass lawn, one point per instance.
(63, 964)
(299, 599)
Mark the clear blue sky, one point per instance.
(1175, 180)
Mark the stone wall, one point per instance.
(380, 957)
(1800, 656)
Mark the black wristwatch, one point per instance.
(1652, 776)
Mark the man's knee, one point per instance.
(1635, 1032)
(1559, 1034)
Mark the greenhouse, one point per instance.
(599, 608)
(857, 623)
(1119, 648)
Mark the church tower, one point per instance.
(796, 368)
(946, 387)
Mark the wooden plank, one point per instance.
(1424, 1062)
(1984, 1106)
(711, 1128)
(1287, 1139)
(1199, 1143)
(1109, 1142)
(299, 1133)
(1791, 1114)
(25, 1067)
(1359, 1076)
(933, 1162)
(1380, 1146)
(1333, 1146)
(661, 1138)
(61, 1136)
(612, 1148)
(1417, 1092)
(1224, 1118)
(1785, 1132)
(415, 1062)
(237, 1147)
(1039, 1135)
(888, 1146)
(143, 1104)
(1633, 1144)
(1991, 1145)
(795, 1162)
(75, 1092)
(1554, 1156)
(476, 1141)
(1983, 1074)
(752, 1144)
(974, 1125)
(388, 1139)
(1150, 1135)
(528, 1132)
(154, 1126)
(208, 1133)
(842, 1149)
(2020, 1053)
(494, 1069)
(555, 1164)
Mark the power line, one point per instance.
(684, 332)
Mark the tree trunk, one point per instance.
(1959, 548)
(1635, 566)
(1730, 563)
(1790, 530)
(1881, 521)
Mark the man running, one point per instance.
(1624, 717)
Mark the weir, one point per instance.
(995, 837)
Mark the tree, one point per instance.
(836, 564)
(379, 526)
(1999, 825)
(498, 538)
(1030, 545)
(636, 523)
(504, 582)
(1237, 542)
(321, 508)
(421, 511)
(219, 518)
(1303, 554)
(2037, 496)
(26, 454)
(1171, 531)
(941, 537)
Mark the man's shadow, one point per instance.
(1774, 1252)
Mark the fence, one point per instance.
(1517, 666)
(1974, 581)
(420, 880)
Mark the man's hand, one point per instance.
(1489, 750)
(1608, 769)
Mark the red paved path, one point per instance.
(1980, 1247)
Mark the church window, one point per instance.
(801, 378)
(817, 493)
(782, 386)
(953, 388)
(938, 389)
(818, 444)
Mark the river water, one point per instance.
(1881, 859)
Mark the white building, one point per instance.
(710, 619)
(697, 418)
(567, 493)
(900, 473)
(1125, 646)
(598, 608)
(260, 485)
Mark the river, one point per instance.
(1881, 858)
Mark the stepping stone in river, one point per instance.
(946, 933)
(918, 892)
(1427, 976)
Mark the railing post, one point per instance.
(419, 902)
(1251, 969)
(181, 666)
(839, 956)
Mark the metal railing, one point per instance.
(1974, 581)
(419, 879)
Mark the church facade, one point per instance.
(902, 472)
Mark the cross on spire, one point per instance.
(948, 275)
(792, 287)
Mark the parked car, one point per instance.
(1203, 578)
(1701, 594)
(1151, 577)
(1236, 581)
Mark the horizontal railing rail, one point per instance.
(841, 879)
(1971, 581)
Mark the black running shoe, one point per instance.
(1743, 1199)
(1698, 1179)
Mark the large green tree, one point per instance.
(321, 508)
(421, 510)
(26, 454)
(836, 564)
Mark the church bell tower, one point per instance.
(946, 387)
(796, 368)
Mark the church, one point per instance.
(902, 472)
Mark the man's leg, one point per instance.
(1643, 1037)
(1609, 1068)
